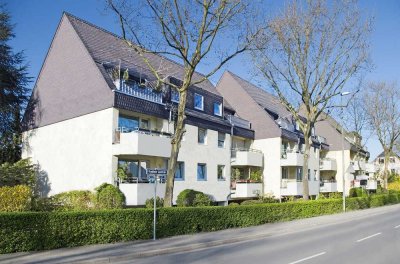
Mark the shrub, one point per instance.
(16, 198)
(44, 204)
(150, 202)
(186, 198)
(72, 200)
(335, 195)
(109, 197)
(202, 199)
(233, 204)
(20, 173)
(357, 192)
(251, 202)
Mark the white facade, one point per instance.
(276, 164)
(83, 152)
(76, 154)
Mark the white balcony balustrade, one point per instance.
(142, 142)
(327, 165)
(292, 158)
(292, 187)
(246, 157)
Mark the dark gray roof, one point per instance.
(107, 49)
(262, 97)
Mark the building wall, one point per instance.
(192, 153)
(70, 83)
(337, 155)
(272, 170)
(76, 153)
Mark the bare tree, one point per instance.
(308, 53)
(190, 32)
(382, 107)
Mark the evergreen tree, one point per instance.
(14, 93)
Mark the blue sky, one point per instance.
(36, 21)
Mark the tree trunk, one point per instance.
(179, 130)
(305, 168)
(386, 169)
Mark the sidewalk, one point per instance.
(130, 250)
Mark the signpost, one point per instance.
(155, 175)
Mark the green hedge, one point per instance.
(47, 230)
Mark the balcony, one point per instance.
(292, 187)
(371, 185)
(246, 189)
(142, 142)
(140, 91)
(246, 157)
(371, 168)
(292, 158)
(328, 186)
(358, 165)
(138, 193)
(327, 165)
(239, 122)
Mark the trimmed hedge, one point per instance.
(49, 230)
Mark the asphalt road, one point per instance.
(374, 239)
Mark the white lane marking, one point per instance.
(307, 258)
(397, 226)
(362, 239)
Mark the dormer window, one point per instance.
(218, 109)
(198, 102)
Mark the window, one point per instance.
(218, 109)
(202, 136)
(180, 171)
(221, 172)
(309, 175)
(201, 172)
(221, 140)
(132, 170)
(175, 96)
(128, 124)
(299, 174)
(285, 174)
(144, 123)
(198, 102)
(315, 175)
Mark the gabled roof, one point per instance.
(382, 155)
(262, 97)
(107, 49)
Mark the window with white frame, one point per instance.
(201, 172)
(217, 109)
(202, 136)
(299, 174)
(198, 102)
(221, 140)
(180, 171)
(221, 172)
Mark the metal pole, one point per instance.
(155, 208)
(343, 172)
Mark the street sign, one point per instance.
(156, 171)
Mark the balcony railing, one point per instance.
(239, 122)
(141, 142)
(246, 157)
(119, 130)
(143, 92)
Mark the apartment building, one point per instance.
(277, 137)
(393, 165)
(95, 117)
(357, 171)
